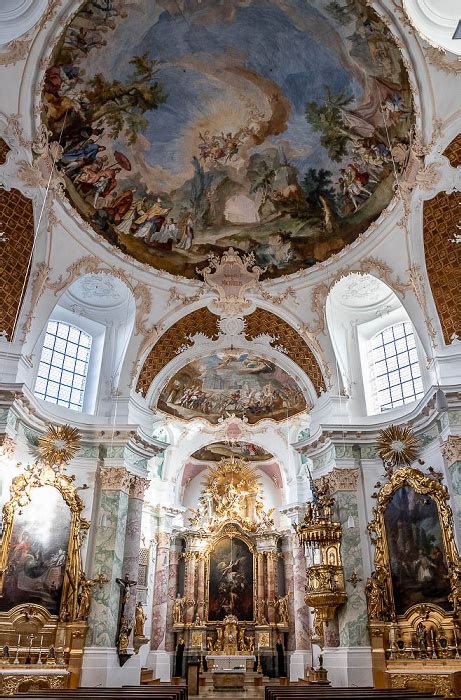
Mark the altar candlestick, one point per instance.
(16, 658)
(456, 642)
(39, 660)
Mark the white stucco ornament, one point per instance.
(18, 16)
(436, 21)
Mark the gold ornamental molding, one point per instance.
(440, 683)
(451, 449)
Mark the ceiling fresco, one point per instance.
(264, 125)
(231, 382)
(244, 450)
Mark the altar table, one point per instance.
(13, 676)
(238, 662)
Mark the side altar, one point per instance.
(232, 600)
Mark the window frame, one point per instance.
(66, 354)
(98, 333)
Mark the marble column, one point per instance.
(108, 553)
(300, 609)
(261, 612)
(201, 585)
(189, 588)
(271, 561)
(138, 485)
(172, 591)
(289, 588)
(451, 451)
(160, 600)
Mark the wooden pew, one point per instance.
(165, 692)
(329, 693)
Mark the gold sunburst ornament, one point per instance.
(397, 446)
(58, 445)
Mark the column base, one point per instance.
(299, 660)
(348, 666)
(101, 669)
(160, 662)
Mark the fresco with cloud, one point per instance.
(268, 126)
(231, 382)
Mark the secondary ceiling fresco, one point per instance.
(259, 124)
(244, 450)
(231, 382)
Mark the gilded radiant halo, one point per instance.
(58, 445)
(397, 446)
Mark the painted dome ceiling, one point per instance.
(268, 126)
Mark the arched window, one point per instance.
(395, 366)
(63, 368)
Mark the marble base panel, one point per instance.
(102, 669)
(161, 663)
(348, 666)
(299, 660)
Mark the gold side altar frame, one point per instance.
(230, 531)
(393, 636)
(66, 632)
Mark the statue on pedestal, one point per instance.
(178, 610)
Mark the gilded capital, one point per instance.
(138, 487)
(162, 539)
(114, 479)
(451, 449)
(342, 479)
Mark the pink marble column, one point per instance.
(299, 606)
(261, 595)
(172, 591)
(160, 601)
(271, 559)
(289, 588)
(201, 586)
(189, 588)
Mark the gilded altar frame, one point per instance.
(425, 485)
(229, 531)
(36, 476)
(392, 635)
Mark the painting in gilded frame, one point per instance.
(231, 580)
(37, 552)
(416, 551)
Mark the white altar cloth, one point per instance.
(236, 662)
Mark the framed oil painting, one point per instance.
(416, 550)
(231, 580)
(37, 552)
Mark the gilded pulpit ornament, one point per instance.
(321, 537)
(397, 446)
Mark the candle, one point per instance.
(19, 640)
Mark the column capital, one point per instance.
(114, 479)
(138, 487)
(342, 479)
(451, 449)
(162, 539)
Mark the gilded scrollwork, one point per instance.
(381, 604)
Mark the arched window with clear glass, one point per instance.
(395, 366)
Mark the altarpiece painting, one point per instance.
(38, 552)
(231, 580)
(416, 551)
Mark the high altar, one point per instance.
(233, 606)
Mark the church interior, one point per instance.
(230, 349)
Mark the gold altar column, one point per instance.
(201, 586)
(189, 587)
(271, 558)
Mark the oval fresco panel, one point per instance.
(217, 451)
(231, 382)
(268, 126)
